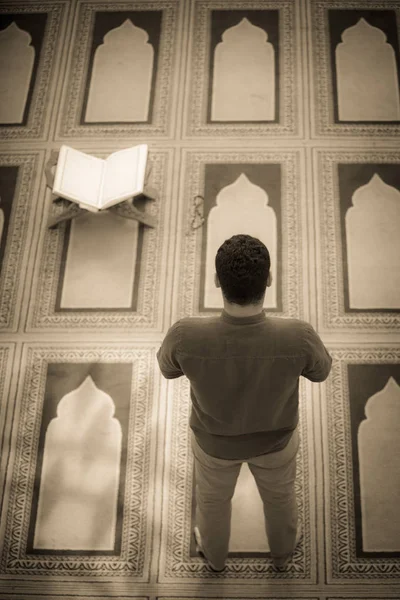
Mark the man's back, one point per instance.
(244, 377)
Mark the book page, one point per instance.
(125, 173)
(79, 176)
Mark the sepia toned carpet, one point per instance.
(276, 118)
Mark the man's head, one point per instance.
(243, 270)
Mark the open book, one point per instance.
(96, 183)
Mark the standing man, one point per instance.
(244, 369)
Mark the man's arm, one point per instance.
(319, 361)
(167, 354)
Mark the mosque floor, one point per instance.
(276, 118)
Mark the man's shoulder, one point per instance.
(282, 323)
(289, 323)
(201, 335)
(198, 321)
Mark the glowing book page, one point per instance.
(79, 176)
(124, 175)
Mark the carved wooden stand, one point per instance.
(126, 209)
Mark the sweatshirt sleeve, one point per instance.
(167, 354)
(319, 361)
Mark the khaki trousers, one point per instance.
(216, 479)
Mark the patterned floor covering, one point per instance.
(277, 118)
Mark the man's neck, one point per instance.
(235, 310)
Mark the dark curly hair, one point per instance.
(242, 264)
